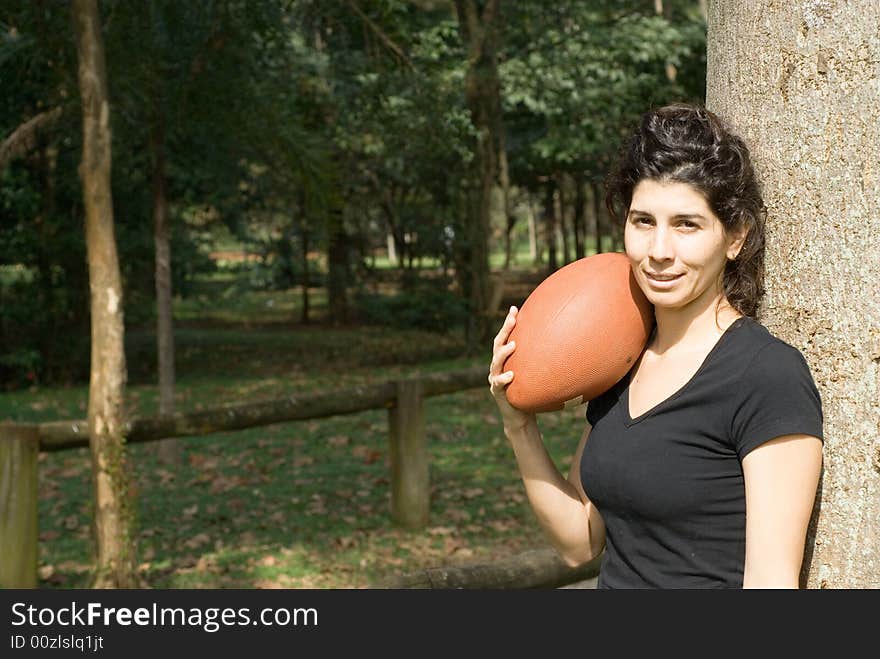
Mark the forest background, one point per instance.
(307, 196)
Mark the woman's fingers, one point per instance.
(499, 381)
(501, 350)
(500, 355)
(506, 328)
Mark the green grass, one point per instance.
(296, 505)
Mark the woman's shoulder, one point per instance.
(753, 333)
(765, 353)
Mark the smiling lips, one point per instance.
(663, 277)
(661, 281)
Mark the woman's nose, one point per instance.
(661, 245)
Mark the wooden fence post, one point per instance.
(410, 486)
(19, 450)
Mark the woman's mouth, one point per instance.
(662, 281)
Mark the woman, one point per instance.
(699, 468)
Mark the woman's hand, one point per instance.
(502, 349)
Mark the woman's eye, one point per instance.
(687, 224)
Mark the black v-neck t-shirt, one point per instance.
(669, 483)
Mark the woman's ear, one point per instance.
(736, 241)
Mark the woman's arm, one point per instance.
(781, 477)
(563, 510)
(570, 520)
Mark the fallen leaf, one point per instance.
(197, 541)
(441, 530)
(344, 542)
(457, 515)
(268, 584)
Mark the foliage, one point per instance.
(301, 127)
(426, 305)
(577, 76)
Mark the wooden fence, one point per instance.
(20, 445)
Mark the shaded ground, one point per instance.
(298, 505)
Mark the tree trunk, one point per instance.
(798, 80)
(660, 10)
(337, 269)
(19, 496)
(510, 219)
(169, 449)
(580, 201)
(114, 533)
(392, 251)
(306, 273)
(480, 28)
(561, 203)
(550, 223)
(597, 214)
(534, 252)
(48, 288)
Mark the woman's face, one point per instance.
(676, 245)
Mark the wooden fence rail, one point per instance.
(410, 485)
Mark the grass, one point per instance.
(297, 505)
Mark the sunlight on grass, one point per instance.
(294, 505)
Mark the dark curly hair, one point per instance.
(686, 143)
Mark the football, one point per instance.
(577, 334)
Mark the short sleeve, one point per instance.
(778, 397)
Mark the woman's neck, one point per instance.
(691, 327)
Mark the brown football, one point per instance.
(577, 334)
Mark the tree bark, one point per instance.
(169, 449)
(19, 496)
(114, 537)
(799, 81)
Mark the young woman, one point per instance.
(699, 468)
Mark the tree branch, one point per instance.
(22, 139)
(397, 50)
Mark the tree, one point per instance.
(802, 90)
(480, 24)
(116, 565)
